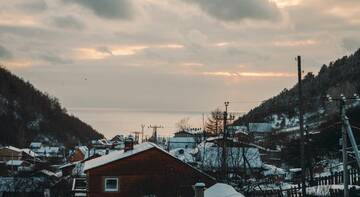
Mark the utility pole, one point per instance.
(155, 128)
(309, 155)
(301, 119)
(224, 148)
(346, 131)
(226, 117)
(142, 132)
(344, 146)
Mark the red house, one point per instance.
(142, 170)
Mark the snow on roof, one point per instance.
(68, 165)
(116, 155)
(13, 148)
(210, 139)
(14, 162)
(222, 190)
(241, 131)
(84, 150)
(29, 152)
(49, 173)
(35, 144)
(260, 127)
(289, 129)
(273, 170)
(48, 150)
(295, 169)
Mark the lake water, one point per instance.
(111, 122)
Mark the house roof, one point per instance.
(13, 148)
(118, 155)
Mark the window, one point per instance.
(111, 184)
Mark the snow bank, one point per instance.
(222, 190)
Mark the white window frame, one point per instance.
(111, 189)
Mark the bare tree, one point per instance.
(183, 124)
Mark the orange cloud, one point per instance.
(90, 53)
(193, 64)
(294, 43)
(171, 46)
(221, 44)
(287, 3)
(17, 63)
(94, 53)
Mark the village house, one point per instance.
(118, 141)
(46, 152)
(259, 131)
(182, 139)
(12, 153)
(142, 170)
(49, 152)
(101, 144)
(80, 153)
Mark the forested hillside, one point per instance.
(27, 114)
(339, 77)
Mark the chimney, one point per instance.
(199, 189)
(129, 144)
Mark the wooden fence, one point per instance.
(338, 178)
(333, 179)
(293, 192)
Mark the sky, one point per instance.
(172, 55)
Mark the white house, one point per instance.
(181, 142)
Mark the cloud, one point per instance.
(295, 43)
(249, 74)
(110, 9)
(104, 49)
(192, 64)
(68, 22)
(351, 43)
(54, 59)
(34, 6)
(236, 10)
(4, 53)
